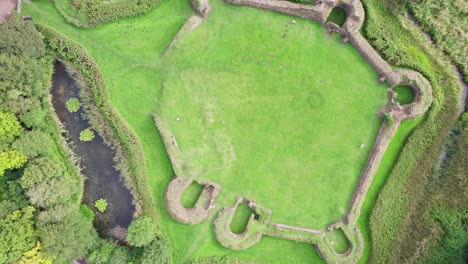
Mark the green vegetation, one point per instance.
(73, 104)
(144, 77)
(39, 202)
(136, 61)
(339, 240)
(9, 127)
(446, 23)
(18, 234)
(101, 205)
(87, 135)
(142, 231)
(89, 13)
(241, 218)
(11, 160)
(191, 194)
(390, 31)
(35, 256)
(337, 16)
(87, 212)
(405, 95)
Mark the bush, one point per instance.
(87, 135)
(101, 205)
(141, 231)
(73, 104)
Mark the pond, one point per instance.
(96, 159)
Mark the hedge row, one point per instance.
(132, 163)
(390, 32)
(90, 13)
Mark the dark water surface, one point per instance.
(96, 159)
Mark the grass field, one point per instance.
(290, 109)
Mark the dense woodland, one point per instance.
(42, 219)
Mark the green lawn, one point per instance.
(268, 109)
(277, 119)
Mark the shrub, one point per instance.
(101, 205)
(141, 231)
(87, 135)
(73, 104)
(11, 160)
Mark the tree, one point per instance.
(120, 256)
(70, 238)
(87, 212)
(35, 118)
(86, 135)
(102, 254)
(35, 256)
(11, 160)
(9, 127)
(157, 252)
(101, 205)
(12, 197)
(17, 234)
(39, 170)
(51, 192)
(73, 104)
(142, 231)
(34, 143)
(20, 83)
(21, 38)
